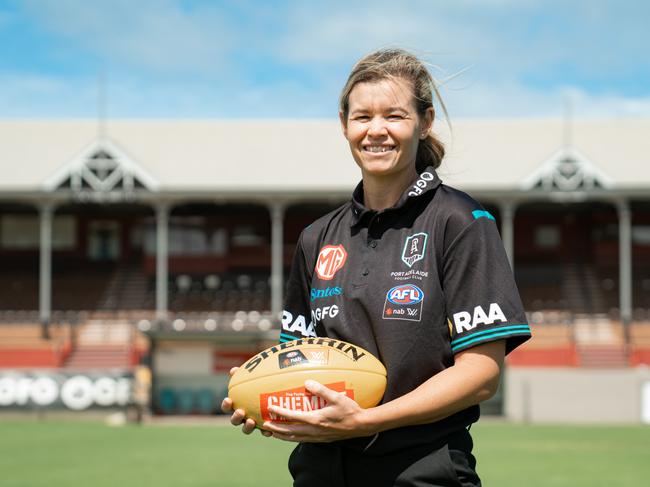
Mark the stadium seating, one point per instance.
(551, 345)
(212, 292)
(103, 344)
(600, 341)
(22, 346)
(639, 335)
(19, 289)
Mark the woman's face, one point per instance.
(383, 127)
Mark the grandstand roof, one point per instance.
(311, 156)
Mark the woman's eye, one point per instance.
(362, 118)
(395, 116)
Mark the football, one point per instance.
(276, 377)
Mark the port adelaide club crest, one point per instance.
(414, 248)
(404, 302)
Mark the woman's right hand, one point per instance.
(239, 415)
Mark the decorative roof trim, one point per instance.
(122, 173)
(567, 170)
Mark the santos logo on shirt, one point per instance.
(404, 303)
(331, 259)
(325, 293)
(464, 321)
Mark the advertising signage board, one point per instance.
(63, 390)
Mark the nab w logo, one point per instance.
(330, 260)
(405, 294)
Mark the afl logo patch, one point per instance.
(331, 259)
(403, 303)
(405, 294)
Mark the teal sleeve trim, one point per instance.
(482, 214)
(523, 327)
(284, 337)
(490, 335)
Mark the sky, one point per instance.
(289, 59)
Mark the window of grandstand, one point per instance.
(219, 242)
(187, 236)
(104, 240)
(641, 234)
(23, 232)
(547, 236)
(246, 236)
(606, 232)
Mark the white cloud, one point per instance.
(511, 99)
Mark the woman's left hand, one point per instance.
(341, 419)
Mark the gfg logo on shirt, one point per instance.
(319, 314)
(403, 303)
(421, 184)
(464, 321)
(331, 259)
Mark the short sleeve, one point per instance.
(481, 297)
(296, 315)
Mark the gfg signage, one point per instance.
(69, 391)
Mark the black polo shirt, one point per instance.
(413, 284)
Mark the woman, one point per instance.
(418, 276)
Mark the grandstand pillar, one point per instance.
(507, 210)
(162, 227)
(46, 212)
(277, 257)
(625, 260)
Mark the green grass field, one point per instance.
(82, 454)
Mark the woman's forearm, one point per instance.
(472, 379)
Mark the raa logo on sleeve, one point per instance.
(464, 321)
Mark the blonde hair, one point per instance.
(398, 63)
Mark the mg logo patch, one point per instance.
(330, 260)
(414, 248)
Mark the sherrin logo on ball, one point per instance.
(276, 377)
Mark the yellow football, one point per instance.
(277, 375)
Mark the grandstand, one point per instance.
(167, 242)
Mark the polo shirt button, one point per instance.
(373, 244)
(365, 272)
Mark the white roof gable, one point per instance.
(567, 170)
(102, 166)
